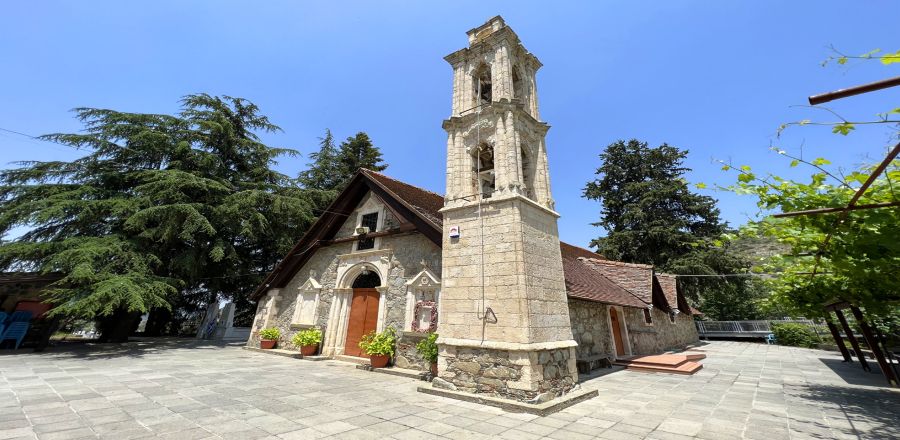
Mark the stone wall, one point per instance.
(662, 335)
(534, 376)
(590, 328)
(407, 251)
(406, 355)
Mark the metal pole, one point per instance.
(852, 91)
(837, 339)
(853, 342)
(873, 345)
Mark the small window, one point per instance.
(370, 221)
(518, 86)
(527, 172)
(648, 316)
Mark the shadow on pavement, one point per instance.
(135, 348)
(871, 411)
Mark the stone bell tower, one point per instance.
(504, 324)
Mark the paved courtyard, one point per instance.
(184, 390)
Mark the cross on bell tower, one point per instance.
(503, 297)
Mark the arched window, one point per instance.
(518, 85)
(482, 83)
(527, 171)
(484, 167)
(367, 279)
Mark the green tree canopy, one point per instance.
(648, 211)
(164, 209)
(652, 217)
(358, 152)
(861, 260)
(325, 171)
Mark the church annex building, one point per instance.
(515, 308)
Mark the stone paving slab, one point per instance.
(180, 389)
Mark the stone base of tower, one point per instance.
(526, 374)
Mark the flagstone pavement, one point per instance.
(181, 389)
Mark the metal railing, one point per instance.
(751, 329)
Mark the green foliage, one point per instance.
(379, 344)
(305, 338)
(859, 264)
(358, 152)
(332, 167)
(648, 211)
(428, 348)
(270, 334)
(795, 335)
(652, 217)
(325, 172)
(164, 211)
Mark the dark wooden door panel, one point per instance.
(363, 319)
(617, 332)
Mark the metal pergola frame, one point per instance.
(885, 363)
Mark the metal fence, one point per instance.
(751, 329)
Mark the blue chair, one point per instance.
(21, 316)
(16, 332)
(770, 338)
(3, 317)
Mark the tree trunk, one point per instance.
(118, 326)
(158, 322)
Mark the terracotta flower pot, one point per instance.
(267, 344)
(379, 360)
(309, 350)
(434, 369)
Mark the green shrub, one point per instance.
(305, 338)
(796, 335)
(379, 344)
(271, 334)
(428, 348)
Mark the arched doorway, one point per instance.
(363, 310)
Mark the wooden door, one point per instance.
(617, 331)
(363, 319)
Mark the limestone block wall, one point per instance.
(590, 328)
(519, 375)
(523, 276)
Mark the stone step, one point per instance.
(352, 359)
(687, 368)
(665, 363)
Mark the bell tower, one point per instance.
(504, 324)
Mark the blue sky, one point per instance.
(716, 78)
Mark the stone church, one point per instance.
(517, 311)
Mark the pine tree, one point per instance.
(324, 172)
(358, 152)
(649, 213)
(651, 217)
(164, 211)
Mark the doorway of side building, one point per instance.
(615, 324)
(363, 311)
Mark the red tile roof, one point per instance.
(669, 285)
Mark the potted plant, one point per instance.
(379, 347)
(428, 349)
(308, 340)
(268, 337)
